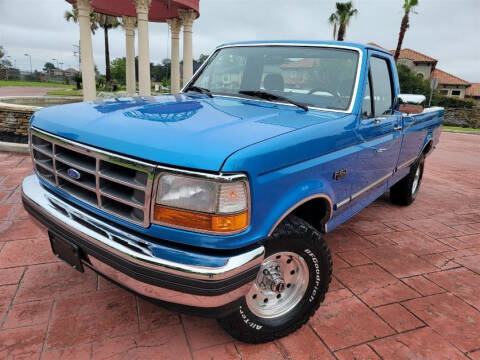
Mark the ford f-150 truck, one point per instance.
(215, 200)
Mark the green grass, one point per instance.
(461, 129)
(33, 83)
(65, 92)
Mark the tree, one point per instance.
(2, 52)
(408, 6)
(73, 16)
(48, 67)
(118, 70)
(202, 58)
(411, 83)
(341, 18)
(77, 77)
(6, 63)
(107, 22)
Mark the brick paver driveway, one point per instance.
(406, 285)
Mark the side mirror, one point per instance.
(411, 104)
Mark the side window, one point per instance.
(382, 86)
(367, 110)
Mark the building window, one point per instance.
(443, 92)
(455, 92)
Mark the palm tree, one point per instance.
(407, 6)
(107, 22)
(341, 18)
(73, 16)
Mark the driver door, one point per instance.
(378, 129)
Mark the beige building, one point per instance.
(450, 85)
(419, 63)
(425, 67)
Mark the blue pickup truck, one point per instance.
(215, 200)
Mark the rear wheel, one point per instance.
(291, 283)
(405, 191)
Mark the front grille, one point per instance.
(113, 183)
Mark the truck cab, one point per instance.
(216, 200)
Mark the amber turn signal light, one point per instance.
(193, 220)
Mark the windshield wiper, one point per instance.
(269, 96)
(200, 90)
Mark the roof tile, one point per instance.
(445, 78)
(473, 90)
(415, 56)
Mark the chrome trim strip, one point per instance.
(362, 191)
(301, 202)
(407, 163)
(98, 155)
(225, 178)
(168, 295)
(371, 186)
(355, 89)
(343, 202)
(49, 205)
(141, 164)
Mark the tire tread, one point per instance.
(288, 227)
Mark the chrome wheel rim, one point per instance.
(416, 180)
(280, 285)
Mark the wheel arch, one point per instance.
(427, 145)
(308, 209)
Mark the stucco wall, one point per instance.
(423, 69)
(450, 88)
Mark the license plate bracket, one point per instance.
(66, 251)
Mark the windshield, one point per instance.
(322, 77)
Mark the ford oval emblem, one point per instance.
(74, 174)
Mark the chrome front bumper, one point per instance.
(128, 253)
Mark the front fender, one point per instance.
(293, 197)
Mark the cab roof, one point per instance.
(307, 43)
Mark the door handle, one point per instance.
(380, 150)
(378, 120)
(397, 128)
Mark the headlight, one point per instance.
(201, 204)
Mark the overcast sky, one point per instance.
(447, 30)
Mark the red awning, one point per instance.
(160, 10)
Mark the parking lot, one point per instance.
(406, 285)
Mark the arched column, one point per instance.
(187, 16)
(129, 26)
(86, 50)
(175, 25)
(144, 86)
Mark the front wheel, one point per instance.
(291, 283)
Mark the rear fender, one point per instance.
(428, 144)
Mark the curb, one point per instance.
(14, 147)
(462, 132)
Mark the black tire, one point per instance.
(295, 236)
(404, 192)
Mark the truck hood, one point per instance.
(185, 130)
